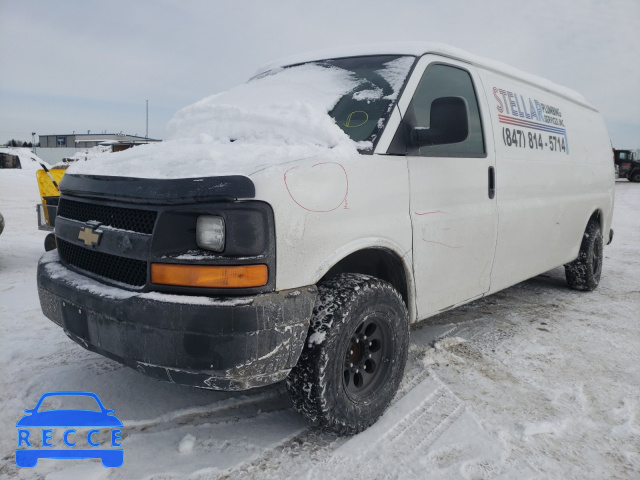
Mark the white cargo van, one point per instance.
(294, 226)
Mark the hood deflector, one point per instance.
(159, 191)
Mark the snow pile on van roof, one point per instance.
(273, 118)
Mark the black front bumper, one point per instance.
(217, 343)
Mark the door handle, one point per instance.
(492, 182)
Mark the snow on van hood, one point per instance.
(274, 118)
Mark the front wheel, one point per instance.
(584, 272)
(354, 356)
(635, 176)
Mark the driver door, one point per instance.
(453, 212)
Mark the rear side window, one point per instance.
(446, 81)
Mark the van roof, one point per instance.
(421, 48)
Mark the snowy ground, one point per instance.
(537, 381)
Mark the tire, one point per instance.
(359, 324)
(584, 272)
(634, 176)
(50, 242)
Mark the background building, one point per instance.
(87, 140)
(53, 148)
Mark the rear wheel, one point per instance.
(584, 272)
(354, 356)
(634, 176)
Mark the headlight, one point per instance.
(210, 233)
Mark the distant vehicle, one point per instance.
(627, 164)
(1, 223)
(8, 160)
(110, 457)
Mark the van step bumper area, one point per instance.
(226, 343)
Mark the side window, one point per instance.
(446, 81)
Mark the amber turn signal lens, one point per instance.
(210, 276)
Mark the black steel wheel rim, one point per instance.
(368, 357)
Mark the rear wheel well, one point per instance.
(376, 262)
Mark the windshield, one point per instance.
(278, 116)
(362, 112)
(289, 106)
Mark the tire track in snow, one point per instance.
(232, 409)
(422, 411)
(292, 458)
(415, 420)
(427, 423)
(417, 416)
(422, 415)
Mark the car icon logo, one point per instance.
(66, 427)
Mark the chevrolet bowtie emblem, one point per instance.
(89, 237)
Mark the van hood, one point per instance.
(175, 159)
(174, 173)
(276, 118)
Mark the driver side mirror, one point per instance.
(449, 123)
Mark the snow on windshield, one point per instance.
(277, 117)
(395, 72)
(288, 106)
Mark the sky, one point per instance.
(85, 65)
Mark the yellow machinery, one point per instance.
(48, 181)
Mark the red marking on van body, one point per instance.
(440, 243)
(430, 213)
(343, 200)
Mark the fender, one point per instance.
(406, 258)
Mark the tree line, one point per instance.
(19, 143)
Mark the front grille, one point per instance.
(141, 221)
(120, 269)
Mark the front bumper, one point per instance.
(217, 343)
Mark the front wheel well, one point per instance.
(376, 262)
